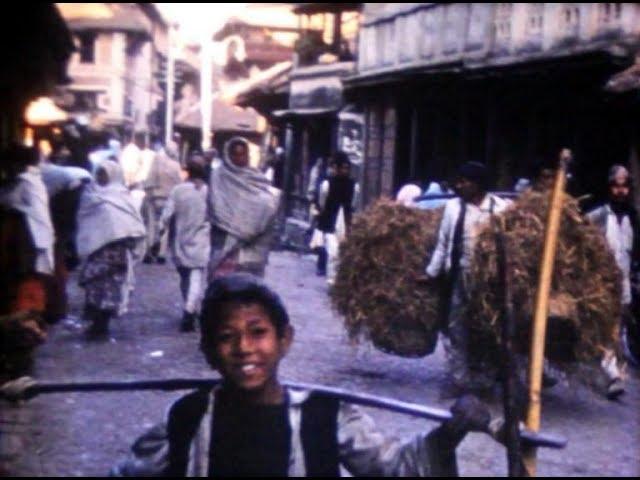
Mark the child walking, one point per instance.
(186, 213)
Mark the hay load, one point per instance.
(375, 288)
(585, 296)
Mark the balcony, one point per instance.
(438, 36)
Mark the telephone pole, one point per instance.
(206, 98)
(170, 81)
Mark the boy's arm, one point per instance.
(364, 450)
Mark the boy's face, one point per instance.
(248, 350)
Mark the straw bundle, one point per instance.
(375, 288)
(585, 298)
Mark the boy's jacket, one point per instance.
(325, 433)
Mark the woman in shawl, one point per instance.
(26, 237)
(244, 208)
(110, 240)
(27, 284)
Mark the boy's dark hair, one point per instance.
(238, 289)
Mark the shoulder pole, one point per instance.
(536, 358)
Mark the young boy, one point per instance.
(251, 425)
(186, 209)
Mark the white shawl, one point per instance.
(29, 196)
(107, 213)
(243, 202)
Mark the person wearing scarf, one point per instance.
(618, 221)
(110, 240)
(27, 237)
(243, 211)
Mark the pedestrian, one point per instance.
(164, 175)
(435, 196)
(337, 199)
(320, 171)
(243, 209)
(251, 425)
(131, 159)
(461, 222)
(64, 187)
(186, 211)
(27, 237)
(618, 220)
(408, 193)
(110, 241)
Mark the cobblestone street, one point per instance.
(85, 434)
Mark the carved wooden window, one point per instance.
(389, 46)
(451, 34)
(367, 47)
(609, 14)
(429, 32)
(502, 23)
(570, 19)
(408, 31)
(380, 43)
(404, 38)
(535, 19)
(87, 47)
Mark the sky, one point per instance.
(199, 19)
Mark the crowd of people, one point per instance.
(216, 218)
(121, 206)
(219, 220)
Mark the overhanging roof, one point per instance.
(313, 8)
(303, 112)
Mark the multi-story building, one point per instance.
(114, 71)
(34, 62)
(507, 84)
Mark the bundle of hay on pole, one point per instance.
(585, 294)
(375, 288)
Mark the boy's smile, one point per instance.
(248, 351)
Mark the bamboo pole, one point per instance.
(536, 359)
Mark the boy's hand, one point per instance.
(468, 415)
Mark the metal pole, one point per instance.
(367, 400)
(536, 360)
(168, 125)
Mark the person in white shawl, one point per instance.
(186, 212)
(28, 195)
(110, 240)
(243, 209)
